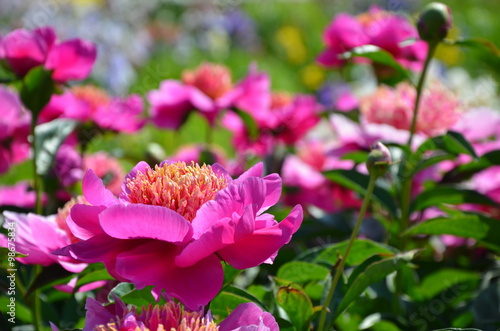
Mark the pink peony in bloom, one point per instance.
(375, 27)
(90, 103)
(69, 60)
(439, 109)
(107, 168)
(172, 316)
(18, 195)
(189, 217)
(14, 130)
(208, 89)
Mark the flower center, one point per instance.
(212, 79)
(94, 96)
(280, 100)
(177, 186)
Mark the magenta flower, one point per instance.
(208, 89)
(439, 109)
(190, 217)
(14, 130)
(375, 27)
(172, 316)
(69, 60)
(19, 195)
(106, 167)
(89, 103)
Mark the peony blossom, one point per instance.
(439, 109)
(69, 60)
(189, 217)
(14, 130)
(171, 316)
(208, 89)
(89, 103)
(107, 168)
(375, 27)
(18, 195)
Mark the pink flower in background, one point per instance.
(38, 236)
(68, 165)
(208, 89)
(439, 109)
(187, 216)
(90, 103)
(107, 168)
(172, 316)
(14, 130)
(18, 195)
(69, 60)
(375, 27)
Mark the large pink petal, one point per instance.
(153, 264)
(71, 60)
(255, 171)
(170, 105)
(96, 314)
(144, 221)
(273, 191)
(24, 50)
(95, 192)
(84, 221)
(248, 314)
(262, 244)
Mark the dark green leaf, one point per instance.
(449, 195)
(301, 272)
(359, 183)
(49, 137)
(50, 276)
(443, 279)
(250, 124)
(22, 313)
(93, 276)
(4, 254)
(476, 43)
(465, 171)
(372, 274)
(467, 225)
(37, 89)
(230, 274)
(357, 157)
(297, 305)
(130, 295)
(244, 294)
(224, 303)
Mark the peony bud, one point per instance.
(434, 22)
(379, 160)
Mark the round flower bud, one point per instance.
(434, 22)
(379, 160)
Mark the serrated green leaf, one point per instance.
(37, 89)
(301, 272)
(449, 195)
(359, 183)
(49, 137)
(297, 305)
(467, 225)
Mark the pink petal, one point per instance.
(262, 244)
(153, 263)
(143, 221)
(170, 104)
(71, 60)
(84, 221)
(96, 314)
(24, 50)
(141, 167)
(248, 314)
(95, 192)
(255, 171)
(273, 191)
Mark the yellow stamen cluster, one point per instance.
(180, 187)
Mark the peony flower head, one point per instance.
(214, 80)
(439, 109)
(106, 167)
(190, 217)
(69, 60)
(171, 316)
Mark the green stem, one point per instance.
(35, 303)
(343, 259)
(37, 184)
(420, 85)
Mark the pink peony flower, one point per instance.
(208, 89)
(89, 103)
(190, 217)
(69, 60)
(38, 236)
(107, 168)
(375, 27)
(14, 130)
(172, 316)
(439, 109)
(18, 195)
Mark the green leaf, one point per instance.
(371, 274)
(357, 157)
(297, 305)
(449, 195)
(92, 276)
(37, 89)
(451, 142)
(250, 124)
(4, 254)
(359, 183)
(130, 295)
(467, 225)
(465, 171)
(50, 276)
(22, 313)
(476, 43)
(49, 137)
(442, 280)
(244, 294)
(230, 274)
(361, 250)
(456, 329)
(225, 302)
(380, 56)
(302, 272)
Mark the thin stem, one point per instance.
(37, 184)
(420, 85)
(343, 259)
(36, 308)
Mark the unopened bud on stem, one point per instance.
(434, 22)
(379, 160)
